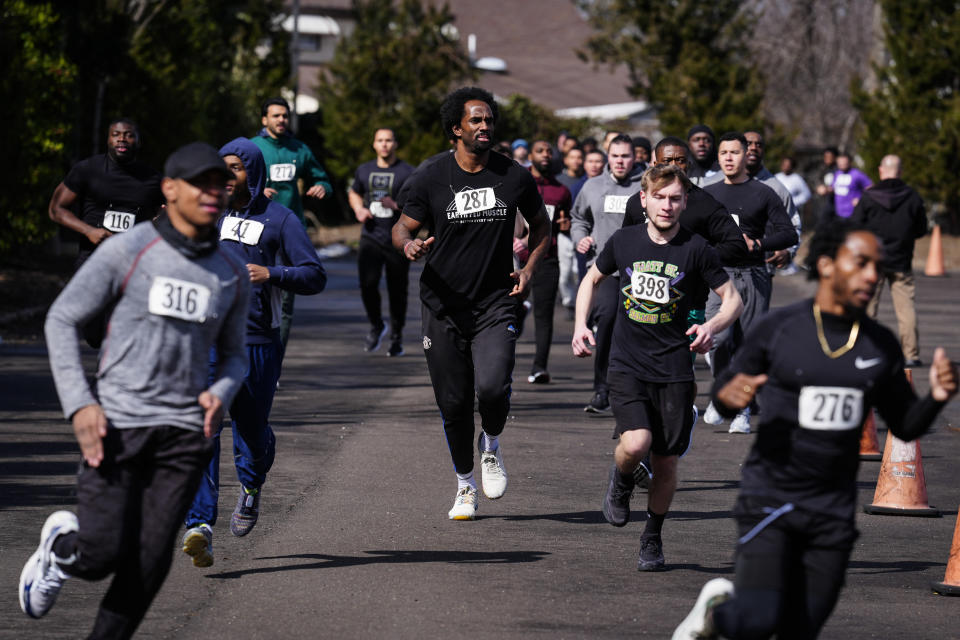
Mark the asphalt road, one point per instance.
(354, 542)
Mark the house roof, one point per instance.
(537, 39)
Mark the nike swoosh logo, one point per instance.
(860, 363)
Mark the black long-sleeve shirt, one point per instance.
(813, 406)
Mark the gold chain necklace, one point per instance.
(854, 332)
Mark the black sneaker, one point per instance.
(396, 347)
(372, 342)
(538, 377)
(651, 553)
(913, 364)
(598, 404)
(616, 501)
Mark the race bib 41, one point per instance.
(241, 230)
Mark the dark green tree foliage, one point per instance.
(687, 57)
(37, 84)
(183, 70)
(392, 71)
(521, 117)
(914, 111)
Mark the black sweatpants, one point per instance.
(372, 258)
(790, 568)
(606, 299)
(544, 285)
(471, 353)
(129, 511)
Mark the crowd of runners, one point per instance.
(186, 282)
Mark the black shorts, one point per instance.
(665, 409)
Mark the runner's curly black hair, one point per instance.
(451, 112)
(827, 240)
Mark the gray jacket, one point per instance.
(168, 311)
(599, 208)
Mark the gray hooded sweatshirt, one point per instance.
(598, 211)
(171, 304)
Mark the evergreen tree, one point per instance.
(687, 57)
(392, 71)
(914, 111)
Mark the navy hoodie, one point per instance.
(268, 234)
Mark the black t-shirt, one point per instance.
(754, 206)
(375, 183)
(472, 216)
(102, 185)
(659, 284)
(813, 407)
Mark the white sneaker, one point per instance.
(741, 423)
(492, 472)
(696, 414)
(711, 415)
(465, 505)
(698, 623)
(41, 578)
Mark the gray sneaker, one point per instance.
(198, 544)
(651, 553)
(245, 515)
(616, 501)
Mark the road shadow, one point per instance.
(324, 561)
(867, 567)
(699, 568)
(721, 485)
(573, 517)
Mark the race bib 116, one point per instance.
(283, 172)
(240, 230)
(179, 299)
(830, 408)
(118, 221)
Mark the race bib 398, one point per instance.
(830, 408)
(241, 230)
(179, 299)
(650, 286)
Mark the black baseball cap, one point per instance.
(191, 160)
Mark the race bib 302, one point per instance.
(615, 204)
(118, 221)
(241, 230)
(179, 299)
(830, 408)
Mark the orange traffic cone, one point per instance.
(901, 487)
(951, 580)
(935, 255)
(869, 443)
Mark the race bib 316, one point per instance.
(179, 299)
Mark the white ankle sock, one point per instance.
(490, 443)
(466, 480)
